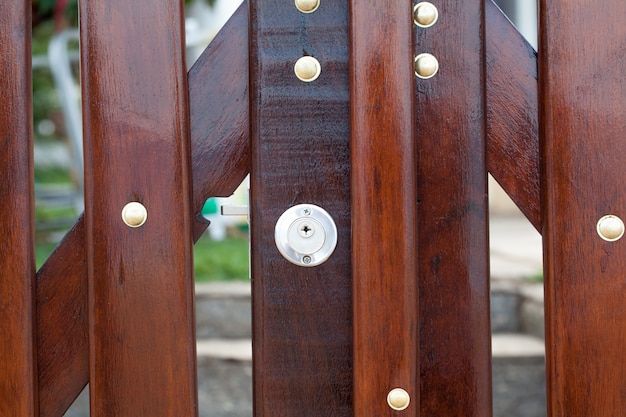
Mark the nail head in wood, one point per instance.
(398, 399)
(307, 6)
(426, 66)
(134, 214)
(610, 228)
(425, 14)
(307, 69)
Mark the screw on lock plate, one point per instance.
(306, 235)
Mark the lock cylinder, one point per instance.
(306, 235)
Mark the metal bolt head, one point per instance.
(426, 66)
(307, 69)
(134, 214)
(610, 228)
(307, 6)
(398, 399)
(425, 14)
(306, 259)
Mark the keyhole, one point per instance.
(306, 230)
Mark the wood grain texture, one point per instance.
(220, 160)
(384, 209)
(219, 139)
(455, 354)
(300, 133)
(136, 128)
(512, 113)
(62, 338)
(583, 108)
(18, 370)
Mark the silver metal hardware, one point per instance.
(233, 210)
(306, 235)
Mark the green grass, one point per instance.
(226, 260)
(52, 175)
(42, 252)
(536, 278)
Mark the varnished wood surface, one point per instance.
(18, 370)
(142, 358)
(218, 140)
(583, 107)
(218, 97)
(300, 133)
(62, 339)
(384, 206)
(512, 113)
(455, 356)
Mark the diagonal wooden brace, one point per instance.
(218, 85)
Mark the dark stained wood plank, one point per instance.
(512, 113)
(136, 124)
(62, 338)
(18, 370)
(455, 354)
(300, 133)
(583, 104)
(384, 209)
(136, 128)
(219, 106)
(219, 140)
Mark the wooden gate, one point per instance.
(384, 115)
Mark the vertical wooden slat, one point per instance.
(384, 206)
(220, 161)
(18, 370)
(455, 353)
(136, 118)
(300, 136)
(583, 108)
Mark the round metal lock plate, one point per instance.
(306, 235)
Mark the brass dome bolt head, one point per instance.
(425, 14)
(426, 66)
(307, 6)
(398, 399)
(307, 69)
(134, 214)
(610, 228)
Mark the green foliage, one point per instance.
(536, 278)
(44, 6)
(43, 251)
(225, 260)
